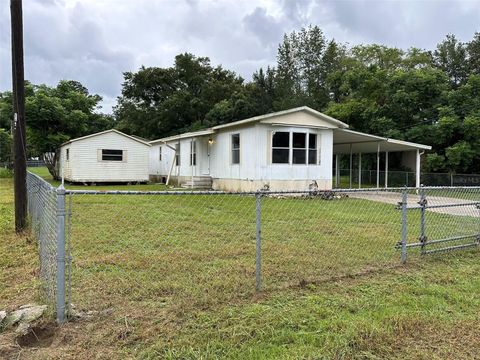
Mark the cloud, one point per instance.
(95, 41)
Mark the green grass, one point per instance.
(175, 275)
(5, 173)
(43, 173)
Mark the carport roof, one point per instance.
(366, 143)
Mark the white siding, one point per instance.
(86, 164)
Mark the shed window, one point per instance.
(177, 154)
(159, 153)
(193, 153)
(236, 149)
(281, 147)
(112, 155)
(67, 154)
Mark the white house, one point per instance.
(286, 150)
(108, 156)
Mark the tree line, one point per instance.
(424, 96)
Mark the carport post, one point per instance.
(386, 169)
(337, 170)
(378, 165)
(359, 170)
(417, 170)
(351, 165)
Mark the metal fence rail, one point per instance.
(195, 249)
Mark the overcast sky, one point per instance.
(94, 41)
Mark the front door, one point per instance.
(204, 155)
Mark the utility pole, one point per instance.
(19, 139)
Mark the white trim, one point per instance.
(105, 132)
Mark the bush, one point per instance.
(5, 173)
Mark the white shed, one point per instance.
(108, 156)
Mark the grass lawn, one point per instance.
(43, 173)
(173, 277)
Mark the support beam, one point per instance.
(351, 165)
(417, 170)
(359, 170)
(386, 169)
(378, 165)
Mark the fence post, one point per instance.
(258, 250)
(60, 301)
(404, 226)
(422, 203)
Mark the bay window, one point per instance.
(299, 148)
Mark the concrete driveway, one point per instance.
(464, 208)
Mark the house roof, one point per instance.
(345, 140)
(135, 138)
(254, 119)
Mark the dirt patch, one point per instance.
(40, 336)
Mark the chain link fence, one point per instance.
(396, 178)
(42, 209)
(141, 253)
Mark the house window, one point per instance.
(299, 148)
(312, 148)
(193, 153)
(177, 154)
(67, 154)
(112, 155)
(236, 149)
(281, 147)
(159, 153)
(302, 148)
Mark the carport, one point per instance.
(349, 142)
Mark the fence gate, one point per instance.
(438, 220)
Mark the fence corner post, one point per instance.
(258, 250)
(404, 225)
(60, 298)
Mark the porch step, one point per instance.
(199, 182)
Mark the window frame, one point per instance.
(67, 154)
(160, 153)
(193, 153)
(177, 154)
(119, 157)
(233, 149)
(291, 148)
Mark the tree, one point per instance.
(55, 115)
(451, 57)
(156, 102)
(5, 146)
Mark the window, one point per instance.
(236, 149)
(281, 147)
(177, 154)
(67, 154)
(159, 153)
(312, 148)
(193, 153)
(112, 155)
(299, 148)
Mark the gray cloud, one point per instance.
(95, 41)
